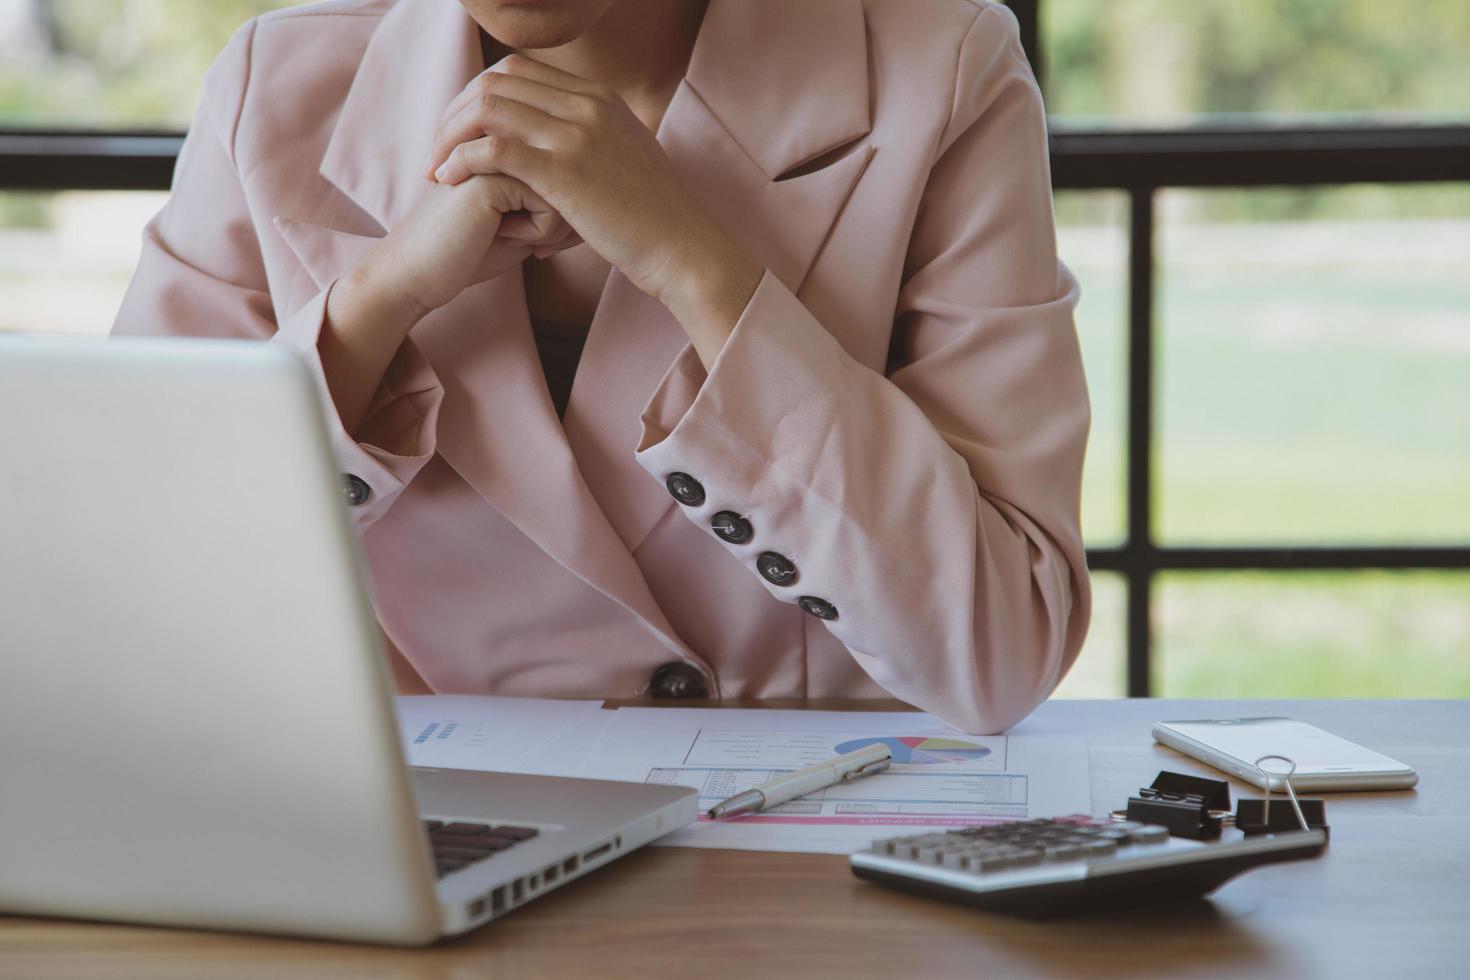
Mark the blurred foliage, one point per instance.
(1166, 61)
(24, 211)
(138, 62)
(111, 63)
(1170, 64)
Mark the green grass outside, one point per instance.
(1350, 634)
(1302, 399)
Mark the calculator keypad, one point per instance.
(1022, 844)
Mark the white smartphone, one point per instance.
(1323, 760)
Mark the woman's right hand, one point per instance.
(454, 238)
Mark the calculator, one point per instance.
(1040, 868)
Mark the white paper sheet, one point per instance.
(940, 777)
(497, 734)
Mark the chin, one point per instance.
(535, 23)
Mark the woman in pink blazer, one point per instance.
(826, 432)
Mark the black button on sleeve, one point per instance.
(820, 608)
(677, 679)
(356, 489)
(732, 527)
(776, 568)
(686, 489)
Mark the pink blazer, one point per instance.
(878, 480)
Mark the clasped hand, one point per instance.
(527, 160)
(577, 147)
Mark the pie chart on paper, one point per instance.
(921, 749)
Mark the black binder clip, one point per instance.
(1190, 806)
(1256, 816)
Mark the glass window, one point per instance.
(67, 258)
(1092, 238)
(1313, 365)
(1101, 670)
(1312, 635)
(1165, 62)
(111, 63)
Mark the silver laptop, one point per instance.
(196, 723)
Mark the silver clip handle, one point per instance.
(1286, 781)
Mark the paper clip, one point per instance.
(1286, 779)
(1254, 816)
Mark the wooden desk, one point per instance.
(1389, 899)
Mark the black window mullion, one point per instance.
(1140, 560)
(1027, 15)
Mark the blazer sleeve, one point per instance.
(937, 507)
(201, 273)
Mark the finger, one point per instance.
(570, 240)
(494, 155)
(533, 229)
(559, 101)
(458, 117)
(523, 66)
(474, 89)
(567, 238)
(517, 65)
(519, 228)
(526, 214)
(512, 195)
(558, 240)
(479, 92)
(515, 206)
(502, 117)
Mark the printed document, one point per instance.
(940, 777)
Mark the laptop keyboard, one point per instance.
(459, 845)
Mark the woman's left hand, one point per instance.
(579, 146)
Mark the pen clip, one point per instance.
(866, 770)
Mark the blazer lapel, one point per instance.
(422, 54)
(730, 131)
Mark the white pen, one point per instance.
(865, 761)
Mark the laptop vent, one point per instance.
(507, 897)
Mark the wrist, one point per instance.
(375, 289)
(712, 283)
